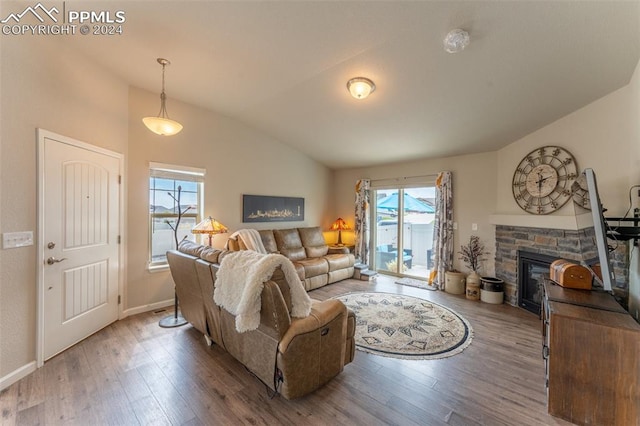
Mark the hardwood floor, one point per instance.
(136, 373)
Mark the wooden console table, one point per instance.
(591, 347)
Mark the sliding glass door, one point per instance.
(403, 230)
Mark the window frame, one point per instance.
(175, 173)
(400, 185)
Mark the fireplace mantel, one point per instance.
(565, 222)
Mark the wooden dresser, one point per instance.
(591, 347)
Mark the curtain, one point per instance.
(442, 231)
(362, 220)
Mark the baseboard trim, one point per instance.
(147, 308)
(18, 374)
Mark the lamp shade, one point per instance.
(209, 226)
(340, 225)
(360, 87)
(162, 126)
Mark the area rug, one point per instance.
(415, 283)
(406, 327)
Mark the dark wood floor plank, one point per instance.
(170, 399)
(209, 398)
(148, 412)
(134, 372)
(9, 403)
(33, 415)
(31, 391)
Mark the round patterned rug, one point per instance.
(406, 327)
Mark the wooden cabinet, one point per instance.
(592, 358)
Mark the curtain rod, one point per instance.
(397, 179)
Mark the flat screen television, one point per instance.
(592, 229)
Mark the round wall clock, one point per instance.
(580, 193)
(542, 181)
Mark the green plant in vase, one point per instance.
(472, 254)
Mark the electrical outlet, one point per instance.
(17, 239)
(455, 225)
(474, 226)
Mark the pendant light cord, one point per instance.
(163, 97)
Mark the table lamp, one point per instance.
(209, 226)
(340, 225)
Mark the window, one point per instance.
(167, 184)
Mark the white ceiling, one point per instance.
(282, 67)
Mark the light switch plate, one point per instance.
(17, 239)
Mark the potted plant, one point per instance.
(472, 254)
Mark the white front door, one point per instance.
(79, 193)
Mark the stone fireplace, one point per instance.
(553, 243)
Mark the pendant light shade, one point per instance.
(162, 124)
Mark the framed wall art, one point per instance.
(264, 208)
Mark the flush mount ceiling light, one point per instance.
(162, 124)
(456, 41)
(360, 87)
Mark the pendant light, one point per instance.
(162, 124)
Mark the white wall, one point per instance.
(43, 86)
(474, 182)
(604, 135)
(599, 136)
(238, 160)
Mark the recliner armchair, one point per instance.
(294, 356)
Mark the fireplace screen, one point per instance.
(532, 267)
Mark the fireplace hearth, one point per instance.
(531, 268)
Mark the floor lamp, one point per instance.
(173, 321)
(208, 226)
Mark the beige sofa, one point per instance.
(293, 356)
(317, 264)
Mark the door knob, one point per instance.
(52, 260)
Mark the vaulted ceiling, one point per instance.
(282, 67)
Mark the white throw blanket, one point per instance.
(239, 284)
(250, 238)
